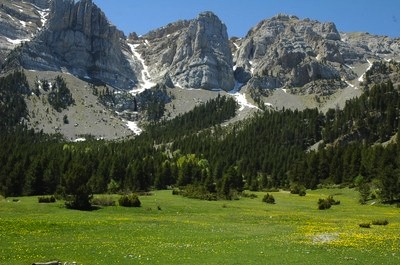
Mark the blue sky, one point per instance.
(380, 17)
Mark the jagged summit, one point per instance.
(285, 51)
(195, 53)
(79, 39)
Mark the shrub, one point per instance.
(365, 225)
(380, 222)
(298, 189)
(47, 199)
(176, 192)
(249, 195)
(103, 201)
(333, 201)
(268, 198)
(324, 204)
(195, 192)
(131, 200)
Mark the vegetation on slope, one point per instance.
(195, 153)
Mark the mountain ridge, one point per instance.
(282, 61)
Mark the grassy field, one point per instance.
(185, 231)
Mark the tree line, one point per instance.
(195, 153)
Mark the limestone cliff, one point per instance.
(195, 53)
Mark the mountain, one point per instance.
(78, 39)
(118, 81)
(196, 53)
(287, 52)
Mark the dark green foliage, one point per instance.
(153, 102)
(131, 200)
(65, 119)
(298, 189)
(206, 160)
(380, 222)
(365, 225)
(13, 108)
(103, 201)
(46, 199)
(204, 116)
(196, 192)
(268, 198)
(60, 96)
(324, 204)
(327, 203)
(249, 195)
(371, 117)
(80, 200)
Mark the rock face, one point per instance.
(358, 46)
(79, 39)
(286, 51)
(19, 22)
(195, 54)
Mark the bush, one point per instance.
(298, 189)
(47, 199)
(365, 225)
(324, 204)
(249, 195)
(195, 192)
(131, 200)
(103, 201)
(268, 198)
(333, 201)
(380, 222)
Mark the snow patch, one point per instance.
(284, 90)
(237, 46)
(79, 140)
(252, 67)
(241, 98)
(10, 17)
(268, 104)
(361, 78)
(43, 14)
(16, 41)
(351, 85)
(146, 81)
(133, 126)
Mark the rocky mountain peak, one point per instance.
(79, 38)
(287, 51)
(194, 53)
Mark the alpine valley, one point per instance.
(294, 102)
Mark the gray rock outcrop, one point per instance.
(79, 39)
(19, 21)
(195, 53)
(287, 51)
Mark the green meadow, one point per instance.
(170, 229)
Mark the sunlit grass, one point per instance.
(185, 231)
